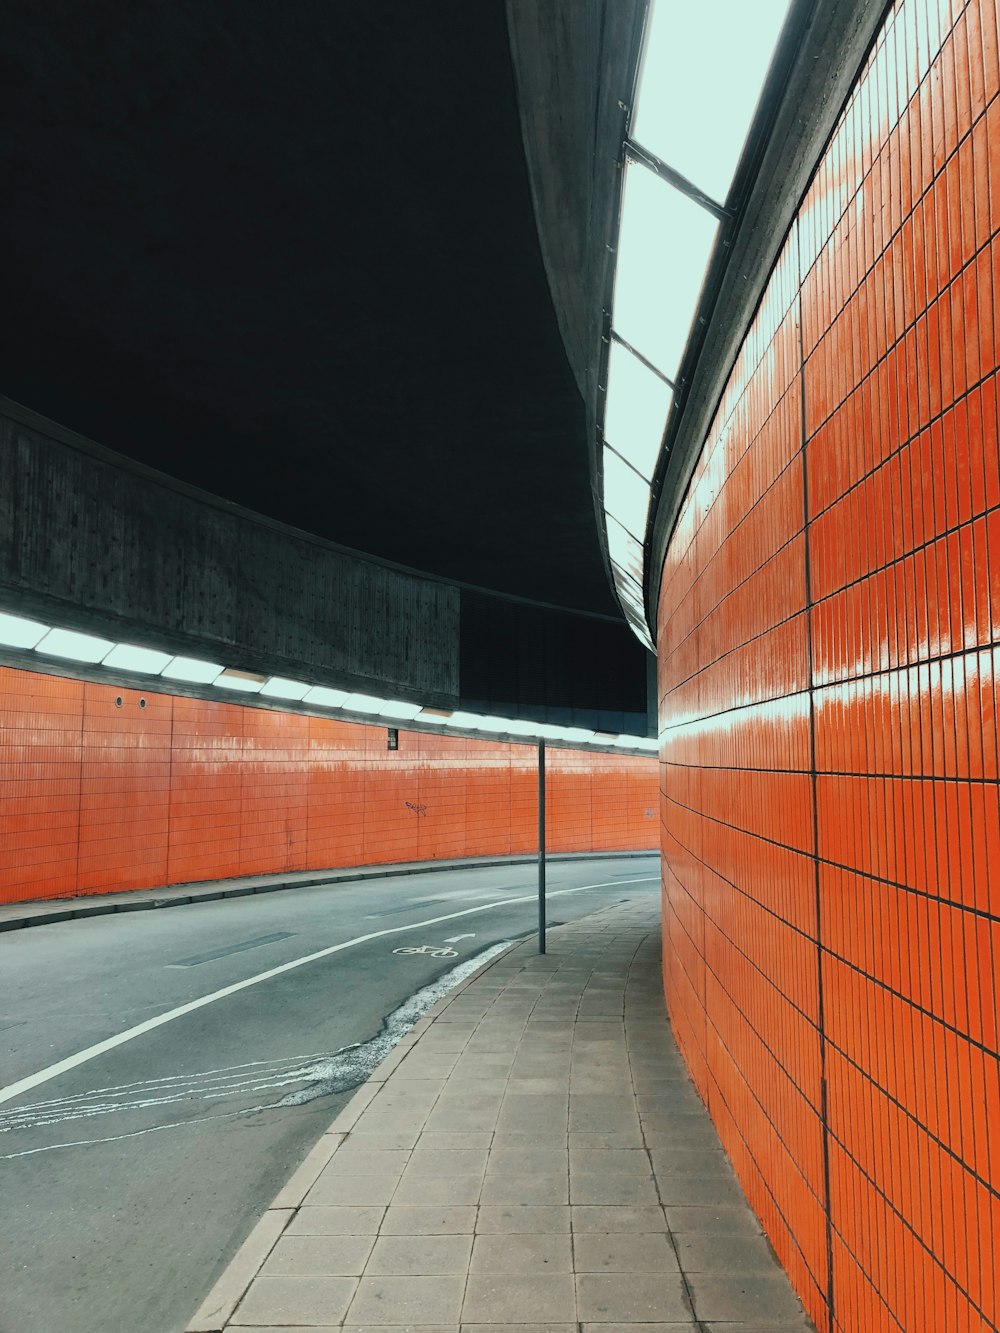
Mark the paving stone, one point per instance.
(334, 1221)
(602, 1112)
(722, 1221)
(520, 1328)
(388, 1328)
(446, 1162)
(609, 1219)
(699, 1190)
(386, 1300)
(498, 1219)
(504, 1299)
(689, 1327)
(291, 1328)
(548, 1187)
(319, 1256)
(713, 1253)
(488, 1087)
(455, 1142)
(607, 1161)
(296, 1300)
(522, 1252)
(524, 1160)
(681, 1160)
(463, 1119)
(438, 1064)
(600, 1139)
(360, 1139)
(403, 1220)
(539, 1136)
(630, 1298)
(613, 1187)
(624, 1252)
(352, 1190)
(535, 1087)
(763, 1298)
(355, 1159)
(423, 1190)
(427, 1255)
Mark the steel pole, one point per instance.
(541, 846)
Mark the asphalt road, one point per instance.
(147, 1120)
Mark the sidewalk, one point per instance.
(532, 1157)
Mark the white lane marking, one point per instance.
(454, 939)
(13, 1090)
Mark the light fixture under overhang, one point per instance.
(16, 632)
(192, 669)
(71, 644)
(398, 709)
(130, 657)
(324, 697)
(280, 687)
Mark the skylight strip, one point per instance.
(100, 654)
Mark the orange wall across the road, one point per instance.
(96, 797)
(829, 649)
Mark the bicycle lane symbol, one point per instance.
(429, 950)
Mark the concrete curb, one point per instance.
(221, 1302)
(129, 903)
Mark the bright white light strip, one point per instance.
(323, 697)
(626, 495)
(636, 406)
(280, 687)
(398, 709)
(516, 727)
(16, 632)
(664, 244)
(468, 721)
(191, 669)
(129, 657)
(703, 67)
(364, 703)
(71, 644)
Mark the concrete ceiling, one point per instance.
(287, 253)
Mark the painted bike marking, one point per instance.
(430, 950)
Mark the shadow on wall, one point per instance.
(105, 789)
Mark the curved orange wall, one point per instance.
(829, 655)
(95, 797)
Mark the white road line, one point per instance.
(13, 1090)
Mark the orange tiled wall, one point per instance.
(829, 638)
(96, 797)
